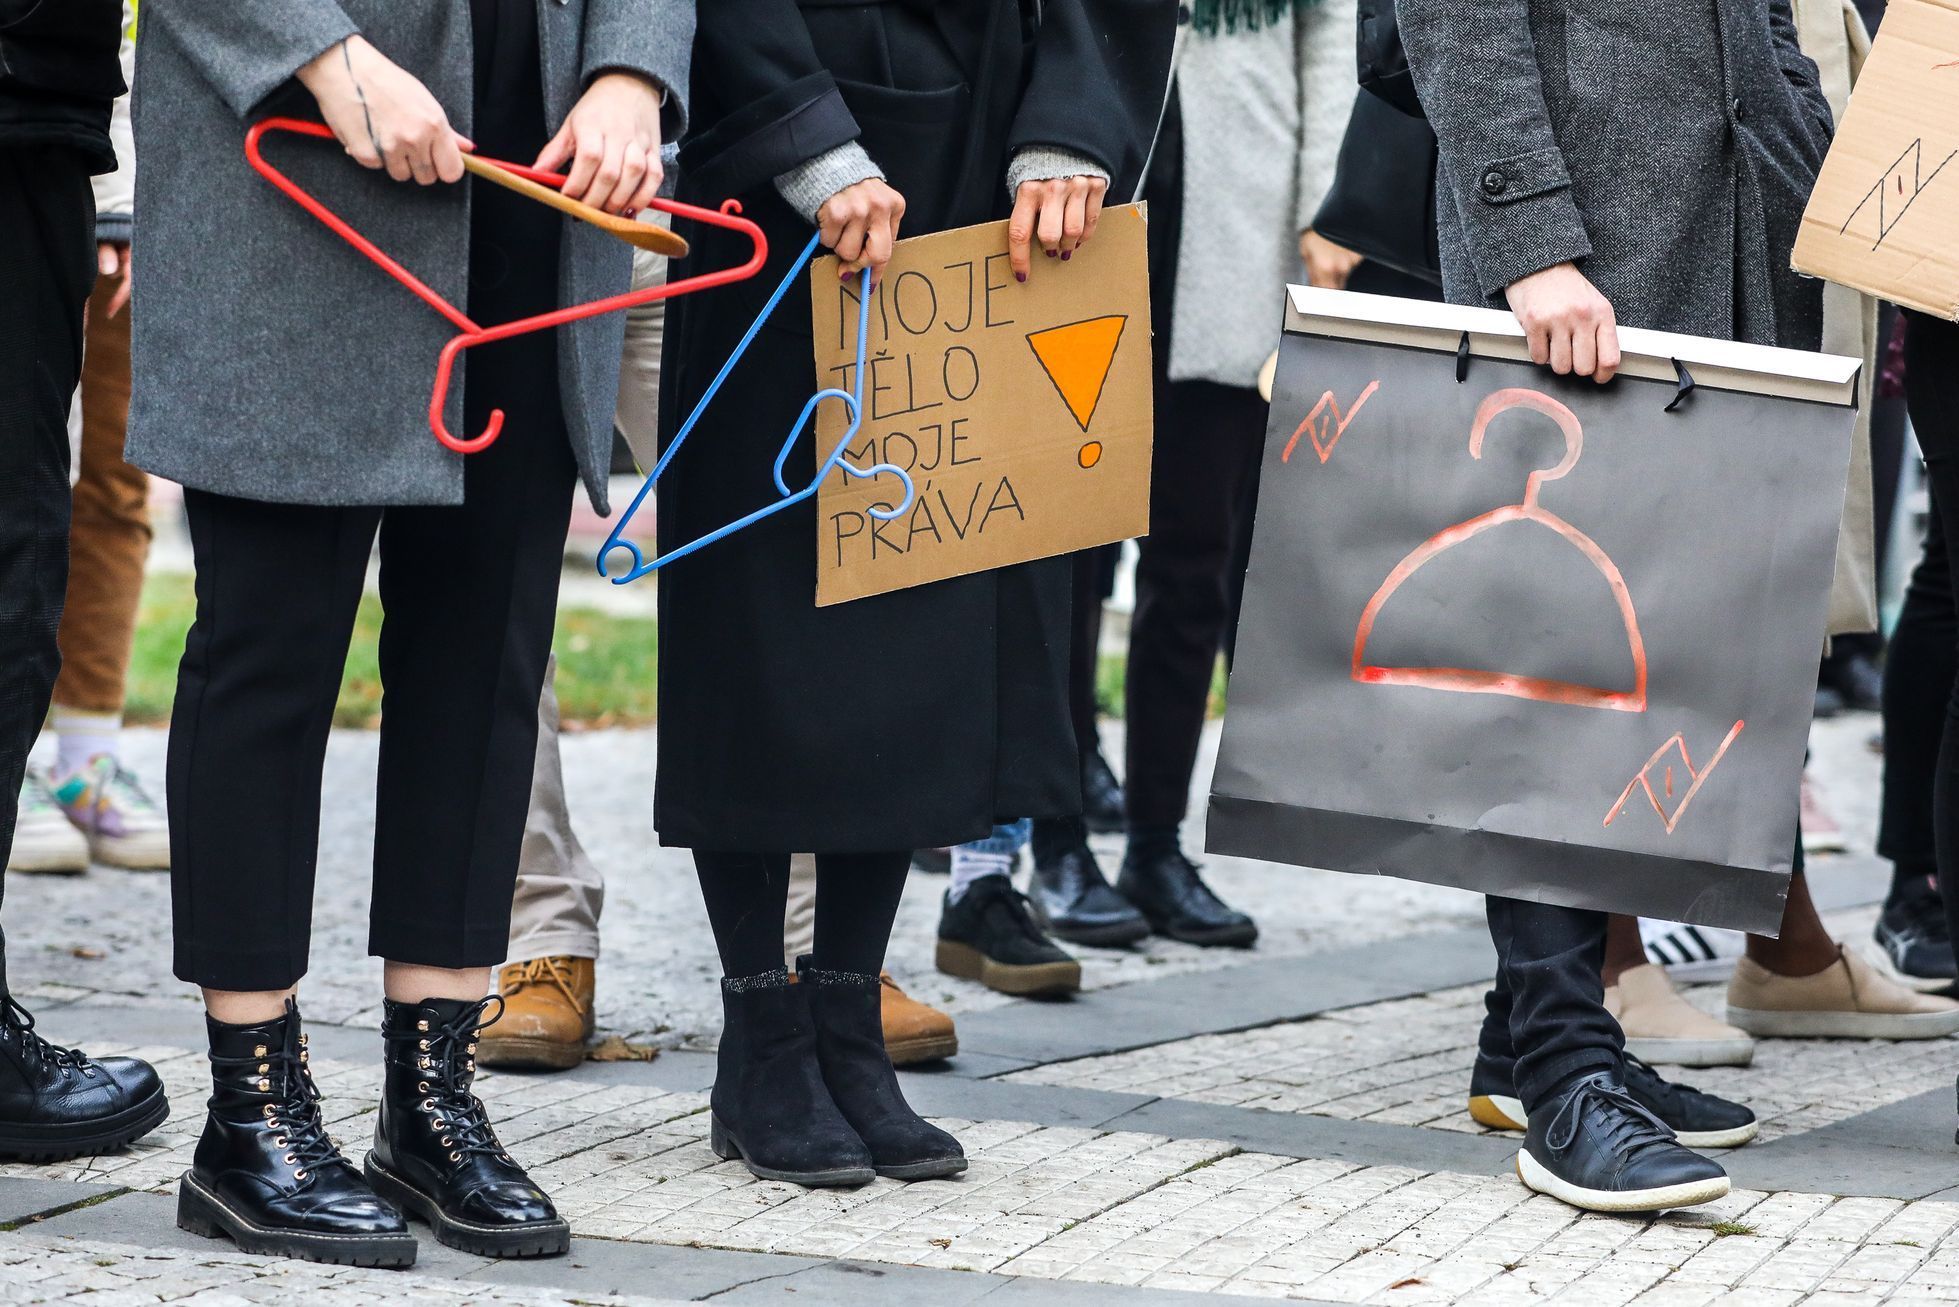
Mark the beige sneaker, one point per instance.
(1662, 1026)
(1851, 1000)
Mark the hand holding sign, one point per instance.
(1020, 411)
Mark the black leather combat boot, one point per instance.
(850, 1049)
(771, 1109)
(435, 1153)
(267, 1174)
(57, 1103)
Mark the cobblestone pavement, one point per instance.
(1288, 1123)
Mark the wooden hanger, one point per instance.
(639, 235)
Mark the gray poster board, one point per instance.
(1530, 635)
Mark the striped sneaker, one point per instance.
(123, 825)
(1691, 953)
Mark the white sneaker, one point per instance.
(122, 824)
(44, 839)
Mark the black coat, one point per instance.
(59, 73)
(904, 720)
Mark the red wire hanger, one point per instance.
(727, 216)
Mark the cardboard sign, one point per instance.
(1022, 412)
(1530, 635)
(1884, 217)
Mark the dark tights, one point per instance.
(1932, 392)
(856, 901)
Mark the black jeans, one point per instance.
(469, 593)
(1927, 644)
(1546, 1017)
(1919, 673)
(47, 266)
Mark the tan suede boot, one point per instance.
(1849, 1000)
(547, 1015)
(1662, 1026)
(913, 1031)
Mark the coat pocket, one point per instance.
(920, 139)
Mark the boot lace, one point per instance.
(52, 1059)
(445, 1056)
(295, 1118)
(551, 971)
(1628, 1128)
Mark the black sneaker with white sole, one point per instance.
(1916, 940)
(1600, 1150)
(1697, 1119)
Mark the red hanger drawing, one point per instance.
(1470, 681)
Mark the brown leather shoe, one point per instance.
(547, 1015)
(913, 1032)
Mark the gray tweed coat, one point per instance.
(272, 361)
(1666, 145)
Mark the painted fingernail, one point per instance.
(1050, 254)
(1020, 276)
(1066, 254)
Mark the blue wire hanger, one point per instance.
(853, 400)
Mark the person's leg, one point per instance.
(46, 263)
(1549, 960)
(277, 589)
(799, 913)
(986, 930)
(1658, 1022)
(992, 855)
(58, 1103)
(1932, 394)
(111, 539)
(1806, 985)
(1209, 439)
(1589, 1141)
(856, 901)
(1102, 801)
(548, 982)
(745, 894)
(770, 1107)
(1805, 945)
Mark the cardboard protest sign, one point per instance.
(1527, 634)
(1021, 411)
(1884, 216)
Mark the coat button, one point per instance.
(1494, 182)
(1738, 108)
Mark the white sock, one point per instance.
(969, 866)
(82, 736)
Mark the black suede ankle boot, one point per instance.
(266, 1172)
(57, 1103)
(435, 1153)
(771, 1110)
(850, 1049)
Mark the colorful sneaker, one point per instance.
(44, 841)
(124, 826)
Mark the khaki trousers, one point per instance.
(560, 890)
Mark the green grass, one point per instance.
(605, 663)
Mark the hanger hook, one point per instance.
(1518, 397)
(439, 400)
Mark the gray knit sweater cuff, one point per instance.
(115, 228)
(808, 185)
(1039, 163)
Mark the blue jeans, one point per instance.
(1006, 840)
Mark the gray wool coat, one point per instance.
(273, 361)
(1667, 146)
